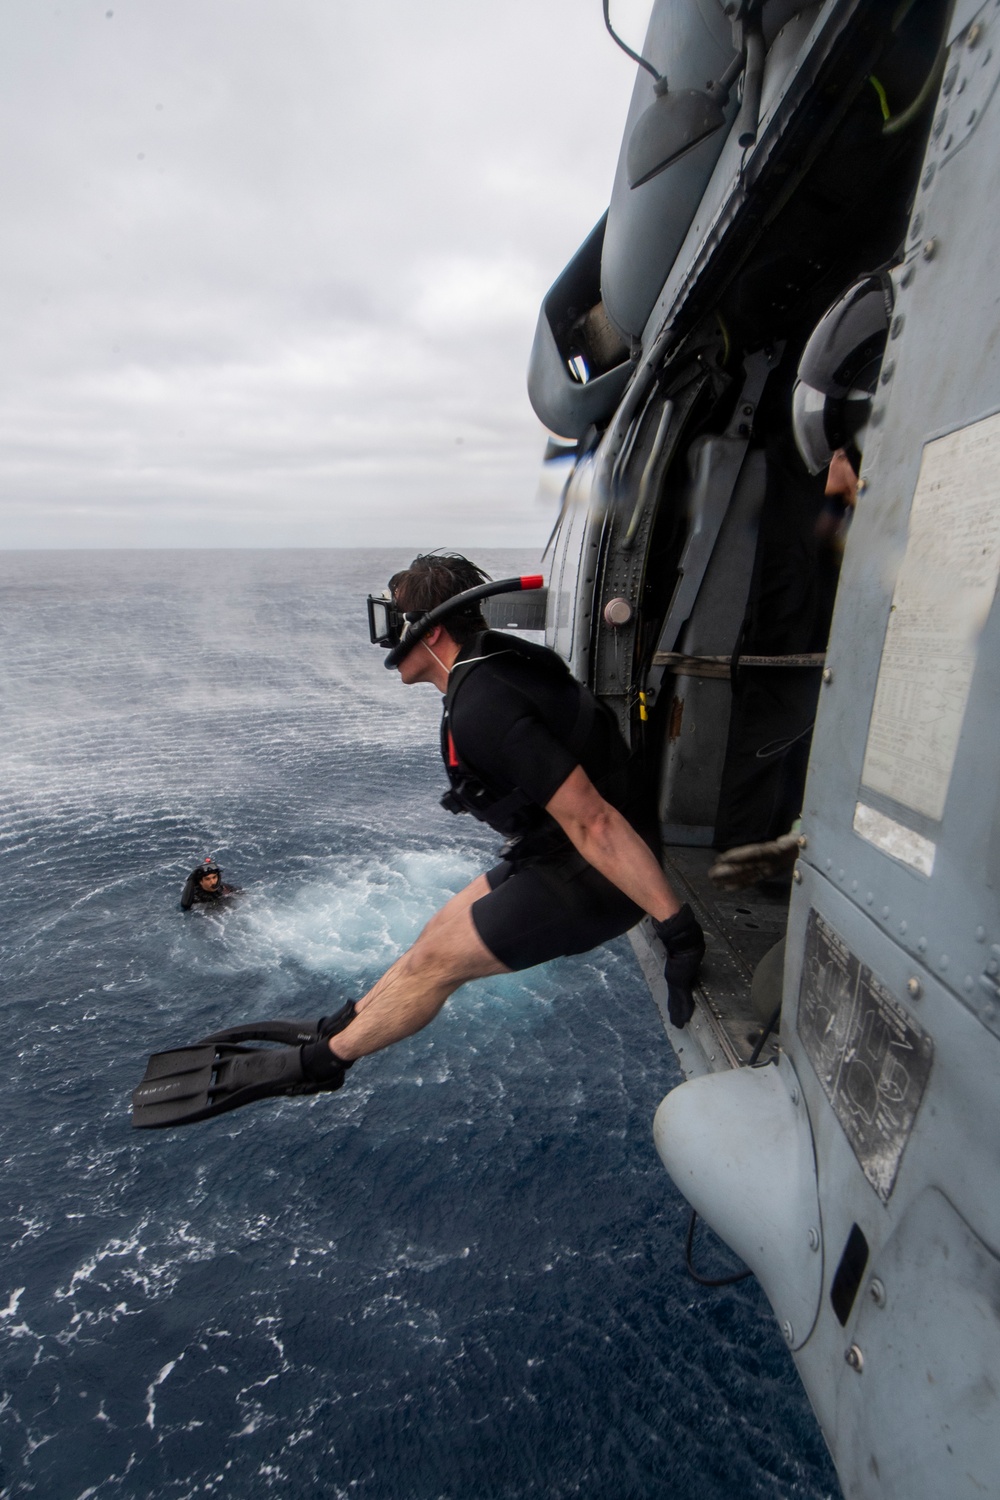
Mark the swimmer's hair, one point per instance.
(434, 577)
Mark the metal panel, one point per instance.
(523, 611)
(695, 748)
(950, 1142)
(574, 567)
(941, 375)
(871, 1058)
(927, 1338)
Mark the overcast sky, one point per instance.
(270, 273)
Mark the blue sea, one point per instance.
(462, 1276)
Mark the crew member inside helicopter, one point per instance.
(528, 750)
(831, 404)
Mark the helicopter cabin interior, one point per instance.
(695, 563)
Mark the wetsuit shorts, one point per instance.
(547, 908)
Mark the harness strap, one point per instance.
(467, 791)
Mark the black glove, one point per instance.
(685, 944)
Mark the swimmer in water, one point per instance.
(204, 886)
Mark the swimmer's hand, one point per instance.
(684, 942)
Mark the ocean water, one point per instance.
(461, 1276)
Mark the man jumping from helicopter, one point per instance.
(528, 750)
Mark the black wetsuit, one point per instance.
(195, 894)
(516, 724)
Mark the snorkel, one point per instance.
(399, 632)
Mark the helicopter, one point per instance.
(813, 689)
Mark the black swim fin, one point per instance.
(292, 1033)
(214, 1076)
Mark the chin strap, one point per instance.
(445, 670)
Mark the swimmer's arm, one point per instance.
(610, 843)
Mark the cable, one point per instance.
(689, 1243)
(633, 55)
(706, 1280)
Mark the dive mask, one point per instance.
(386, 623)
(399, 632)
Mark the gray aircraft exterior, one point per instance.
(856, 1166)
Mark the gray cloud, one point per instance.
(270, 274)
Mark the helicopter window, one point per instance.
(848, 1275)
(578, 365)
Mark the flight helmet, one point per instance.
(838, 373)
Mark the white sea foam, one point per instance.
(160, 1378)
(360, 916)
(12, 1306)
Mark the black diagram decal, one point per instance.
(871, 1058)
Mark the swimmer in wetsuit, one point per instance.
(204, 887)
(528, 750)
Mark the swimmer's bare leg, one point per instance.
(448, 953)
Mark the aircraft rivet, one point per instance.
(906, 275)
(930, 249)
(788, 1331)
(793, 1094)
(797, 875)
(876, 1292)
(975, 33)
(862, 486)
(898, 322)
(813, 1238)
(855, 1358)
(914, 988)
(980, 934)
(748, 411)
(828, 675)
